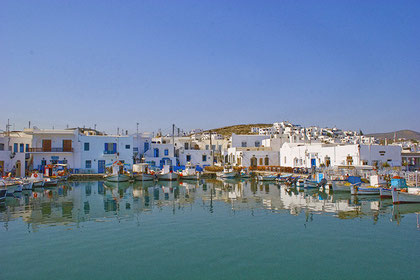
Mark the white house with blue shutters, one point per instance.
(99, 151)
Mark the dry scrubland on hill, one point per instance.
(238, 129)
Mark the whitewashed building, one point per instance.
(308, 155)
(14, 153)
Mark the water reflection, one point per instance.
(77, 202)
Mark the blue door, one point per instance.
(313, 162)
(101, 166)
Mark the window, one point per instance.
(257, 143)
(243, 144)
(43, 162)
(213, 147)
(204, 157)
(127, 147)
(21, 148)
(1, 147)
(88, 164)
(166, 152)
(110, 148)
(207, 147)
(86, 146)
(220, 147)
(27, 148)
(156, 152)
(186, 146)
(261, 161)
(15, 147)
(188, 158)
(267, 161)
(146, 146)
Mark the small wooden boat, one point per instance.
(310, 184)
(141, 172)
(360, 189)
(189, 173)
(409, 195)
(167, 174)
(27, 185)
(267, 177)
(11, 186)
(227, 173)
(397, 183)
(116, 173)
(340, 186)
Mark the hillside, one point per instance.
(406, 134)
(238, 129)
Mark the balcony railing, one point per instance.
(110, 152)
(50, 150)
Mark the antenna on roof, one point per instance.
(29, 124)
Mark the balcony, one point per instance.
(50, 150)
(110, 152)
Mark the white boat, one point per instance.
(117, 173)
(340, 186)
(359, 189)
(11, 186)
(310, 184)
(141, 172)
(27, 185)
(167, 174)
(397, 183)
(300, 183)
(190, 173)
(37, 179)
(411, 195)
(50, 182)
(267, 177)
(227, 173)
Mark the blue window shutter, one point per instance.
(114, 147)
(106, 146)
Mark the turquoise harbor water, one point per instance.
(205, 230)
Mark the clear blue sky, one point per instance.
(206, 64)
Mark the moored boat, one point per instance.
(397, 183)
(227, 173)
(141, 172)
(409, 195)
(167, 174)
(267, 177)
(358, 189)
(189, 173)
(116, 173)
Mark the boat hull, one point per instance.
(340, 186)
(385, 193)
(168, 176)
(267, 178)
(399, 197)
(358, 190)
(50, 183)
(189, 177)
(117, 178)
(3, 194)
(144, 177)
(309, 184)
(227, 175)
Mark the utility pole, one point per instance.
(211, 150)
(173, 136)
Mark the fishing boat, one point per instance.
(167, 174)
(50, 182)
(37, 179)
(267, 177)
(364, 189)
(116, 173)
(141, 172)
(396, 182)
(189, 173)
(244, 174)
(340, 186)
(310, 184)
(10, 185)
(409, 195)
(27, 185)
(284, 177)
(227, 173)
(300, 182)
